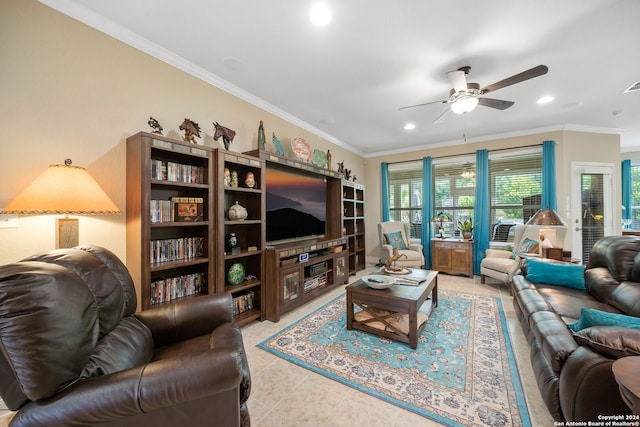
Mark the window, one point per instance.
(405, 194)
(635, 197)
(454, 195)
(515, 188)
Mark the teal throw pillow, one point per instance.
(395, 240)
(591, 317)
(527, 246)
(556, 273)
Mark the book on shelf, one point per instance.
(177, 172)
(244, 302)
(187, 209)
(177, 209)
(315, 282)
(182, 248)
(172, 288)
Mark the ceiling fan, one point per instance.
(464, 96)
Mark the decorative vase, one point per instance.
(237, 212)
(231, 242)
(235, 275)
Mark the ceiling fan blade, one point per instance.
(426, 103)
(525, 75)
(458, 80)
(442, 117)
(495, 103)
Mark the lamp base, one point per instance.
(67, 233)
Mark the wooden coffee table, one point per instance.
(382, 305)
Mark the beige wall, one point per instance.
(570, 146)
(71, 91)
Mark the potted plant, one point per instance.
(466, 228)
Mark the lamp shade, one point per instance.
(63, 189)
(545, 217)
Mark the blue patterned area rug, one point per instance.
(463, 372)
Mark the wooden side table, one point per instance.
(626, 370)
(453, 256)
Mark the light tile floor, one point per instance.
(284, 394)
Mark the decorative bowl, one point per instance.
(378, 281)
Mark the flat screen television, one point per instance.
(296, 204)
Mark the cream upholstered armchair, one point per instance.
(396, 234)
(503, 265)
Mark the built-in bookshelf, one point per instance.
(240, 184)
(170, 223)
(353, 225)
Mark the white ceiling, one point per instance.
(346, 81)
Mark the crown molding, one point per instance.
(492, 137)
(82, 14)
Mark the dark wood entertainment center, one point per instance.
(290, 281)
(172, 259)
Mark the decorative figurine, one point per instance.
(191, 129)
(227, 177)
(261, 139)
(340, 167)
(224, 132)
(347, 174)
(329, 159)
(234, 178)
(390, 263)
(278, 145)
(155, 125)
(354, 178)
(250, 180)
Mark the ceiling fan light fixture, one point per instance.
(468, 172)
(464, 104)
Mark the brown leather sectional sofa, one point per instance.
(573, 369)
(73, 351)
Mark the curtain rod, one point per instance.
(467, 154)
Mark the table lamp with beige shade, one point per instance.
(547, 236)
(63, 190)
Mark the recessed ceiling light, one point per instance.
(409, 126)
(320, 15)
(234, 64)
(545, 99)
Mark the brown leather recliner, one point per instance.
(73, 351)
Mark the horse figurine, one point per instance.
(390, 263)
(224, 132)
(191, 129)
